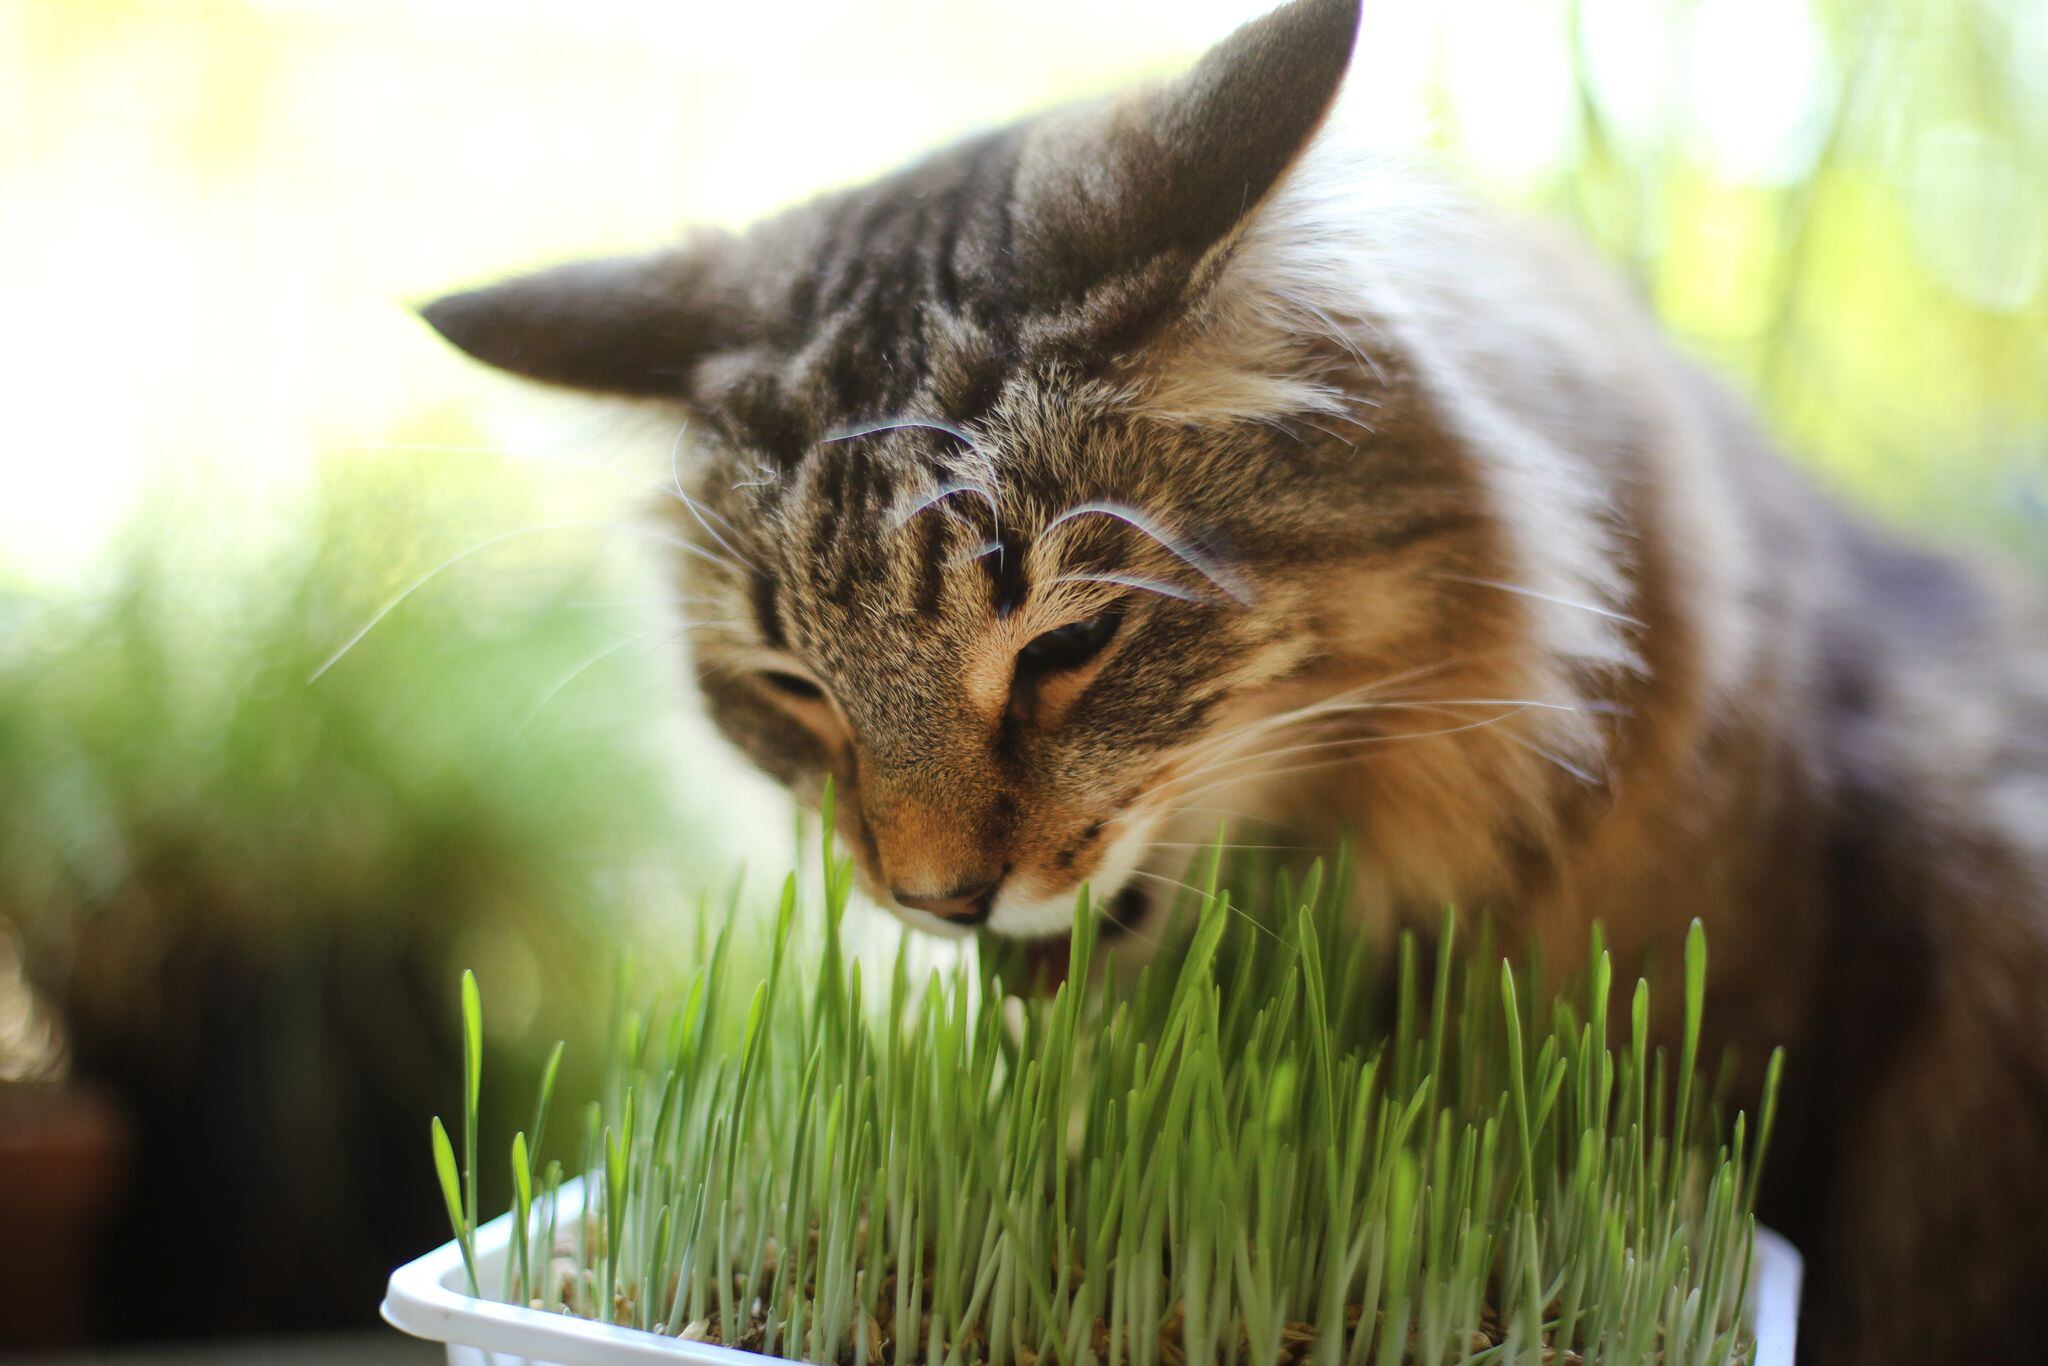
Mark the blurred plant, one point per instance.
(1844, 208)
(243, 890)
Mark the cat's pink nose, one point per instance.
(967, 904)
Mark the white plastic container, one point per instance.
(426, 1298)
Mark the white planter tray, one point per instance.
(425, 1298)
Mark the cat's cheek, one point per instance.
(1021, 917)
(1051, 702)
(1042, 904)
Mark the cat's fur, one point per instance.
(1417, 528)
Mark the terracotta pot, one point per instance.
(63, 1160)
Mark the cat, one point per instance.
(1162, 459)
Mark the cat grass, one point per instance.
(1277, 1147)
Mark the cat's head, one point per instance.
(1015, 485)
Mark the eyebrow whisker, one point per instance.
(941, 494)
(897, 424)
(675, 472)
(1173, 545)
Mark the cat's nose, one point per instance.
(969, 903)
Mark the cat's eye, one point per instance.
(1069, 646)
(792, 685)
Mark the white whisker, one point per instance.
(397, 599)
(1246, 816)
(897, 424)
(675, 472)
(1552, 598)
(391, 604)
(566, 679)
(1200, 895)
(691, 546)
(1173, 545)
(675, 462)
(667, 638)
(1337, 706)
(1289, 771)
(941, 494)
(1317, 747)
(1329, 700)
(1584, 775)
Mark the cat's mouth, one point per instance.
(1047, 960)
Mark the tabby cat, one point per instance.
(1161, 460)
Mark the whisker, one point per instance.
(1173, 545)
(982, 551)
(1263, 756)
(561, 684)
(1100, 905)
(945, 491)
(675, 462)
(1521, 590)
(675, 473)
(1319, 427)
(1200, 895)
(941, 494)
(1170, 812)
(1334, 707)
(1342, 694)
(397, 599)
(1584, 775)
(897, 424)
(679, 543)
(1342, 335)
(1319, 746)
(1294, 770)
(1285, 772)
(392, 603)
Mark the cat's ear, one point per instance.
(634, 325)
(1157, 181)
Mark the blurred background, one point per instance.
(235, 897)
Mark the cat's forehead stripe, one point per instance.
(1005, 566)
(932, 549)
(764, 591)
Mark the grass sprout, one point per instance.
(1281, 1146)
